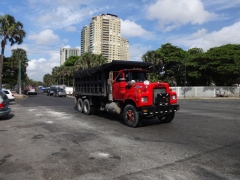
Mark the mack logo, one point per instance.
(159, 85)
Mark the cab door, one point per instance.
(119, 86)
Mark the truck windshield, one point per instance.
(137, 76)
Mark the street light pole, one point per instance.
(185, 78)
(19, 77)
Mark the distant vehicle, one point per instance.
(51, 89)
(30, 90)
(69, 90)
(59, 93)
(41, 88)
(9, 95)
(4, 103)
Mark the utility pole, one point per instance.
(19, 77)
(185, 78)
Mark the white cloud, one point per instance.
(65, 40)
(67, 46)
(137, 50)
(70, 29)
(205, 40)
(44, 37)
(222, 4)
(172, 14)
(61, 14)
(132, 29)
(37, 68)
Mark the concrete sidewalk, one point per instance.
(18, 96)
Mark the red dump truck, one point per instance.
(124, 87)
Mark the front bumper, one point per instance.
(161, 109)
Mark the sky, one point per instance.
(147, 24)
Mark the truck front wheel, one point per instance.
(87, 108)
(80, 105)
(131, 116)
(167, 118)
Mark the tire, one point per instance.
(87, 108)
(168, 118)
(131, 116)
(80, 105)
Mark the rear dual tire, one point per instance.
(80, 105)
(87, 108)
(84, 106)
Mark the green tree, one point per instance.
(174, 64)
(11, 31)
(70, 72)
(71, 60)
(55, 74)
(48, 79)
(196, 70)
(10, 75)
(157, 63)
(88, 60)
(98, 60)
(224, 64)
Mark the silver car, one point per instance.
(59, 93)
(4, 103)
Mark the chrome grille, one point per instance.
(159, 96)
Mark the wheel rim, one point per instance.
(130, 116)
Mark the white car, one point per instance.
(9, 94)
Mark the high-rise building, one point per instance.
(66, 52)
(105, 38)
(85, 39)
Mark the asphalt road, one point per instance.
(45, 138)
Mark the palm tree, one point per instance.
(157, 63)
(99, 59)
(11, 31)
(55, 73)
(69, 72)
(48, 79)
(19, 54)
(78, 64)
(63, 71)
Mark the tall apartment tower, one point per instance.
(66, 52)
(105, 38)
(85, 39)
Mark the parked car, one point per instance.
(50, 91)
(59, 93)
(4, 103)
(9, 94)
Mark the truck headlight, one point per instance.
(174, 97)
(144, 99)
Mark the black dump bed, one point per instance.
(93, 81)
(115, 65)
